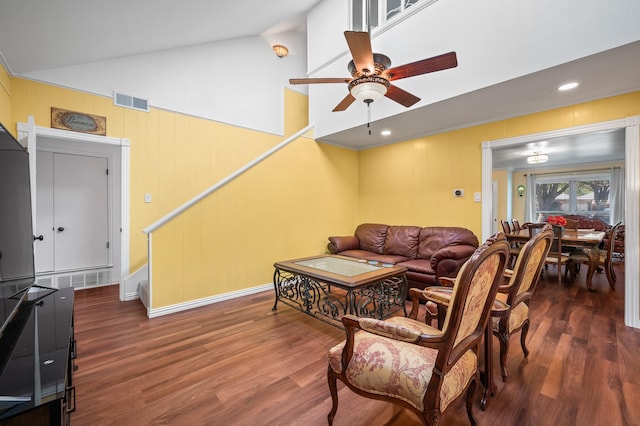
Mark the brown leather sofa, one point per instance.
(427, 253)
(585, 222)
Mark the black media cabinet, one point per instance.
(36, 381)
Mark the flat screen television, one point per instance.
(17, 272)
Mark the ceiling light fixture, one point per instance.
(280, 50)
(537, 158)
(385, 132)
(568, 86)
(368, 88)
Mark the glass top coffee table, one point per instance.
(330, 286)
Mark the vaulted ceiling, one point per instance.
(37, 35)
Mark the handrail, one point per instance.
(157, 224)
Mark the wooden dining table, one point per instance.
(571, 238)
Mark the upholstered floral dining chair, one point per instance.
(515, 294)
(407, 362)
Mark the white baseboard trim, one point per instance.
(166, 310)
(131, 296)
(131, 282)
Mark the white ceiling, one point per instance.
(593, 148)
(38, 35)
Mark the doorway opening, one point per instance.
(115, 151)
(631, 126)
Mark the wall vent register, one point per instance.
(129, 101)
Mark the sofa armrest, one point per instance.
(447, 261)
(452, 252)
(338, 244)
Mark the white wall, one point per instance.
(327, 23)
(495, 40)
(238, 81)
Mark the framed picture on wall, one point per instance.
(78, 121)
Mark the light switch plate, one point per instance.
(147, 198)
(477, 197)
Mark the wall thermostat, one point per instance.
(458, 192)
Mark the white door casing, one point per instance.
(632, 198)
(43, 230)
(39, 138)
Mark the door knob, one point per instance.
(39, 237)
(60, 229)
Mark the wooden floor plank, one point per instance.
(239, 363)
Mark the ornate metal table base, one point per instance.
(316, 298)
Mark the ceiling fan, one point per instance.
(371, 76)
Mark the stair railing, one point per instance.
(184, 207)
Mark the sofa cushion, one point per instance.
(422, 266)
(372, 236)
(434, 238)
(402, 240)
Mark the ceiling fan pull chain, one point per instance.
(369, 117)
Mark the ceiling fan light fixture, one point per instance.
(368, 88)
(537, 158)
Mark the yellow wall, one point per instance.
(5, 100)
(286, 206)
(283, 208)
(411, 183)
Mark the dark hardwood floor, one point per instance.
(239, 363)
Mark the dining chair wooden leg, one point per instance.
(471, 391)
(611, 276)
(523, 337)
(333, 390)
(593, 264)
(503, 338)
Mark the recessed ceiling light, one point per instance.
(385, 132)
(568, 86)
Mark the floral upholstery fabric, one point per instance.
(517, 316)
(439, 295)
(407, 332)
(418, 326)
(477, 297)
(400, 369)
(530, 274)
(520, 313)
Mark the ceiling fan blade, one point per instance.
(360, 47)
(437, 63)
(401, 96)
(344, 104)
(318, 80)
